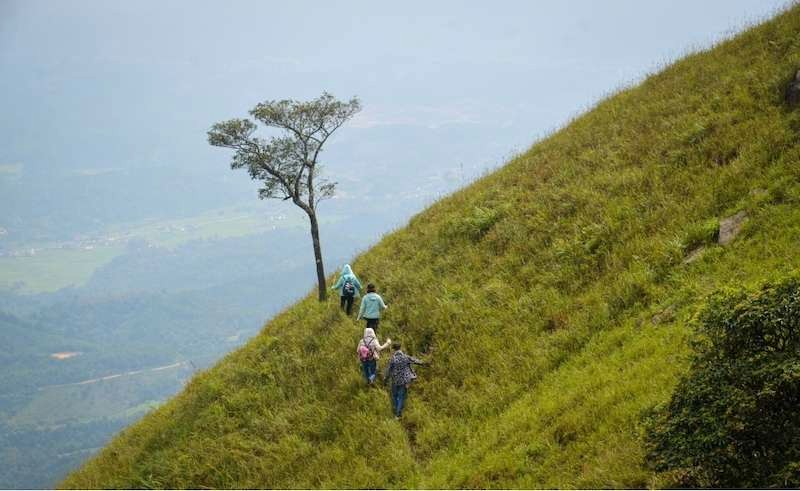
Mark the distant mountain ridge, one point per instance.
(553, 297)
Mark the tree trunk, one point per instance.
(323, 291)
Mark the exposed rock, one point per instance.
(730, 227)
(792, 94)
(665, 315)
(694, 255)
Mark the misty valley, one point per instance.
(102, 320)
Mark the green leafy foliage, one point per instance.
(550, 297)
(733, 420)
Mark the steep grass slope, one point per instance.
(552, 297)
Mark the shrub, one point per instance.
(733, 421)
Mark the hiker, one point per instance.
(368, 353)
(399, 370)
(371, 307)
(349, 287)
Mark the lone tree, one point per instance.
(288, 165)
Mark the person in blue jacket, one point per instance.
(371, 307)
(349, 288)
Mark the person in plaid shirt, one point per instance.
(400, 372)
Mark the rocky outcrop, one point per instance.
(666, 315)
(694, 255)
(730, 227)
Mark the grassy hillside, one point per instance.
(553, 298)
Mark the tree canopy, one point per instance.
(287, 164)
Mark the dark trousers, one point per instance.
(399, 393)
(373, 323)
(370, 368)
(346, 303)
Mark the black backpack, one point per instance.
(349, 289)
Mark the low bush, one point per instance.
(733, 421)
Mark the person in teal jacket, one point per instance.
(349, 287)
(371, 307)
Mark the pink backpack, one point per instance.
(365, 352)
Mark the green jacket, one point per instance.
(347, 273)
(371, 306)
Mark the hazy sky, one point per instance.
(88, 83)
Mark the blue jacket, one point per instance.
(371, 306)
(347, 273)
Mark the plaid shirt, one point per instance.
(399, 368)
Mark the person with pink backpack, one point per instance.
(368, 351)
